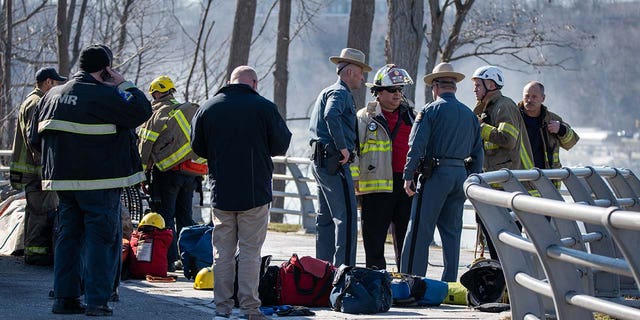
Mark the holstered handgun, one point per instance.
(426, 166)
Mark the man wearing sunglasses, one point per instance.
(445, 146)
(384, 126)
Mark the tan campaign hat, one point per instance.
(443, 70)
(351, 55)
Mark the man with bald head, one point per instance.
(546, 130)
(238, 131)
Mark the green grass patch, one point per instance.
(283, 227)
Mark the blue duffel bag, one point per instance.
(196, 249)
(361, 291)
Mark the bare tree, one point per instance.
(124, 18)
(7, 127)
(241, 35)
(404, 39)
(281, 79)
(201, 34)
(497, 29)
(360, 26)
(13, 61)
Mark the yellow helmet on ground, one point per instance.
(161, 84)
(204, 279)
(152, 219)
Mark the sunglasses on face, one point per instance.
(392, 89)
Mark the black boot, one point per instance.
(115, 295)
(99, 311)
(68, 306)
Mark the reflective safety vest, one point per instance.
(373, 171)
(25, 165)
(165, 139)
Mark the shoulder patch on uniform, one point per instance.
(372, 126)
(125, 95)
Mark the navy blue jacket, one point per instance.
(85, 131)
(334, 117)
(445, 128)
(238, 131)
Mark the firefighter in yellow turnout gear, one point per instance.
(503, 132)
(164, 148)
(25, 172)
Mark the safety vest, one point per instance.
(165, 139)
(373, 170)
(25, 165)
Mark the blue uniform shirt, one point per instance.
(334, 117)
(445, 128)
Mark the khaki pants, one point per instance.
(246, 231)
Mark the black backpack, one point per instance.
(486, 285)
(267, 288)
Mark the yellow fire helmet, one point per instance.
(204, 279)
(152, 219)
(161, 84)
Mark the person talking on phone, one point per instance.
(84, 130)
(445, 147)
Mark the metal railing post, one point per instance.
(306, 200)
(608, 250)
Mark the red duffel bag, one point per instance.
(149, 253)
(305, 281)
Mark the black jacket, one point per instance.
(238, 131)
(85, 131)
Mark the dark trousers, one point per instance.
(379, 211)
(176, 207)
(40, 213)
(439, 202)
(88, 244)
(337, 219)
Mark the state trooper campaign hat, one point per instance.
(353, 56)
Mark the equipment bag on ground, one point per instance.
(457, 294)
(149, 253)
(412, 290)
(486, 285)
(361, 290)
(267, 287)
(196, 249)
(305, 281)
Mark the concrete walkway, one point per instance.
(24, 290)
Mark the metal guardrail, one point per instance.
(555, 267)
(307, 206)
(303, 193)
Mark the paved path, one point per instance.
(24, 291)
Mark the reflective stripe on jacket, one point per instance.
(553, 141)
(85, 131)
(373, 170)
(506, 144)
(25, 165)
(165, 138)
